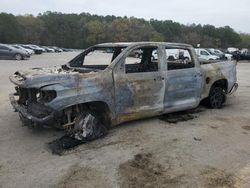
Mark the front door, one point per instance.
(139, 85)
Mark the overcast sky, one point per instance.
(235, 13)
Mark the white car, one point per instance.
(220, 53)
(232, 49)
(203, 54)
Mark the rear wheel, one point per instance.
(216, 98)
(18, 57)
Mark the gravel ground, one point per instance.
(212, 149)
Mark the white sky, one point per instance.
(235, 13)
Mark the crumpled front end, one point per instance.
(30, 104)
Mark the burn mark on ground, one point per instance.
(181, 116)
(246, 128)
(213, 177)
(78, 177)
(143, 171)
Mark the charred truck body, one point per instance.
(97, 88)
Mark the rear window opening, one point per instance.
(179, 59)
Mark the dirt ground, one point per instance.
(210, 149)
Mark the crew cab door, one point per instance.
(183, 82)
(139, 84)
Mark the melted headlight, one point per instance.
(45, 96)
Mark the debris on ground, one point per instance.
(86, 129)
(62, 144)
(197, 139)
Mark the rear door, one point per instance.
(139, 85)
(183, 83)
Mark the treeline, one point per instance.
(82, 30)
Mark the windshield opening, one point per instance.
(98, 58)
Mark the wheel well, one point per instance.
(221, 83)
(101, 109)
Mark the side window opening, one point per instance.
(179, 59)
(142, 60)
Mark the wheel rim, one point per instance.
(84, 127)
(18, 57)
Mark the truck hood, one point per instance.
(40, 77)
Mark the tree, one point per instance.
(31, 29)
(245, 40)
(83, 30)
(9, 29)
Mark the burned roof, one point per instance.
(126, 44)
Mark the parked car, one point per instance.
(9, 52)
(57, 49)
(68, 50)
(95, 91)
(231, 50)
(220, 54)
(204, 55)
(29, 51)
(244, 51)
(245, 56)
(36, 49)
(48, 49)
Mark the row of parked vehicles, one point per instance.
(228, 54)
(203, 54)
(24, 51)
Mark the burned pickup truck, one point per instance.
(97, 90)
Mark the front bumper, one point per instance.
(31, 120)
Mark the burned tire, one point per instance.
(216, 98)
(88, 127)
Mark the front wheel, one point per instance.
(216, 98)
(87, 127)
(18, 57)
